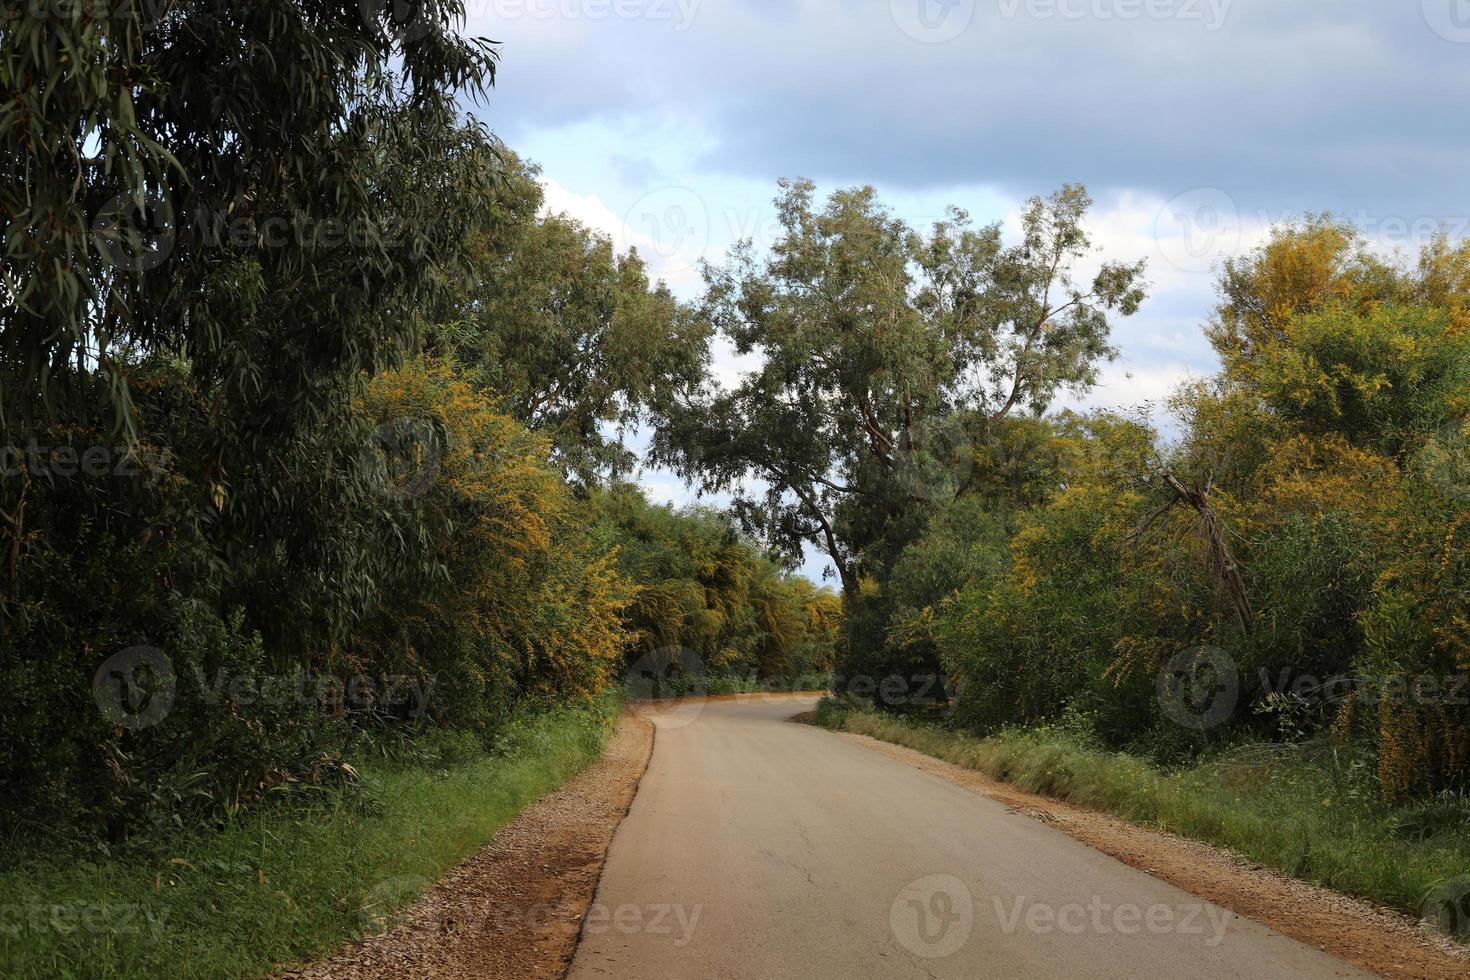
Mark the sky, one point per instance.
(1195, 125)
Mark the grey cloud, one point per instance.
(1290, 105)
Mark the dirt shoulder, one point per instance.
(514, 909)
(1380, 940)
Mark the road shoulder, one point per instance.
(514, 908)
(1376, 939)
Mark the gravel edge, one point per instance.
(514, 908)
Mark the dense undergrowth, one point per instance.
(286, 882)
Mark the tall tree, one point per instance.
(226, 182)
(221, 217)
(250, 199)
(569, 333)
(887, 357)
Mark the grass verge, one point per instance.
(1308, 811)
(282, 886)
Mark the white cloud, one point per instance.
(1124, 384)
(668, 228)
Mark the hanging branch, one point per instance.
(1226, 567)
(17, 525)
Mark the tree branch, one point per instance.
(1226, 567)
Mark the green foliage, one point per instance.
(886, 355)
(702, 586)
(277, 887)
(520, 603)
(232, 228)
(891, 363)
(1329, 459)
(264, 142)
(570, 335)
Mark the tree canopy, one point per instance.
(572, 336)
(887, 358)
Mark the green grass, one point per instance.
(1310, 811)
(281, 886)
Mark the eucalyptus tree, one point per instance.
(888, 358)
(238, 211)
(206, 177)
(220, 218)
(568, 332)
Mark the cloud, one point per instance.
(1126, 384)
(586, 208)
(1196, 124)
(1288, 105)
(659, 226)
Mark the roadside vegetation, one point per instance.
(276, 886)
(1285, 576)
(1252, 632)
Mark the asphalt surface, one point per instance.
(757, 848)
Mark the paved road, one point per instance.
(760, 849)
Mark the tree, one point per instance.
(888, 358)
(237, 211)
(702, 586)
(520, 602)
(204, 178)
(221, 219)
(569, 334)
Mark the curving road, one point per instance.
(760, 849)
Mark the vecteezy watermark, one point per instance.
(394, 903)
(138, 231)
(933, 916)
(383, 908)
(679, 13)
(1445, 461)
(406, 453)
(935, 459)
(135, 232)
(659, 919)
(671, 226)
(932, 21)
(1198, 228)
(1199, 687)
(358, 692)
(403, 19)
(137, 687)
(673, 674)
(1400, 689)
(66, 462)
(408, 20)
(674, 229)
(1211, 14)
(1100, 918)
(90, 918)
(1416, 229)
(1447, 907)
(146, 14)
(220, 230)
(1450, 19)
(920, 690)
